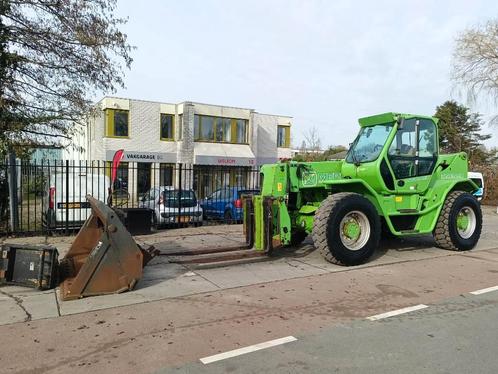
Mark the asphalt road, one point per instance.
(327, 312)
(459, 335)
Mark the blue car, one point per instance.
(226, 203)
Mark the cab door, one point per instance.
(413, 155)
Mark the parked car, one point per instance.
(478, 179)
(172, 206)
(226, 203)
(64, 199)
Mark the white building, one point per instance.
(157, 137)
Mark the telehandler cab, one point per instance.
(393, 181)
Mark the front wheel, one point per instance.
(346, 229)
(460, 222)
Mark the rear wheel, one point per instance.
(460, 222)
(346, 229)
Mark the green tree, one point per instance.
(56, 55)
(461, 131)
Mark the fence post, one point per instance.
(13, 196)
(179, 192)
(67, 196)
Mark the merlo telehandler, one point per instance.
(393, 181)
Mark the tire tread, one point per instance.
(441, 232)
(320, 224)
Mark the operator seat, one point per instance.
(404, 168)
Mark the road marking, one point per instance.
(485, 290)
(397, 312)
(249, 349)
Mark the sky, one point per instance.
(325, 63)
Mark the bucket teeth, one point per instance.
(148, 252)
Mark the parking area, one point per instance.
(163, 279)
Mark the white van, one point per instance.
(65, 198)
(478, 179)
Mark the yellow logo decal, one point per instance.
(279, 187)
(398, 199)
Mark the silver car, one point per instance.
(172, 206)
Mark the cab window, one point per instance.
(413, 151)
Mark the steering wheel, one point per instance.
(377, 148)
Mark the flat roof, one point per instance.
(191, 102)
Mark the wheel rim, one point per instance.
(466, 222)
(354, 230)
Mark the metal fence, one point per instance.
(49, 197)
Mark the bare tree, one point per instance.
(475, 60)
(55, 56)
(312, 140)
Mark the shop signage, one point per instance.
(225, 161)
(131, 156)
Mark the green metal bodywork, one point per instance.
(298, 188)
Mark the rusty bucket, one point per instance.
(103, 258)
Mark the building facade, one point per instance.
(158, 137)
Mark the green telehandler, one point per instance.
(393, 181)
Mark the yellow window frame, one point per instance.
(172, 126)
(109, 123)
(233, 129)
(286, 136)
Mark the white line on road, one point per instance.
(484, 290)
(397, 312)
(249, 349)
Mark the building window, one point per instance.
(220, 130)
(241, 131)
(283, 136)
(167, 129)
(207, 128)
(116, 123)
(209, 180)
(223, 130)
(165, 174)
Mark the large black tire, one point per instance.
(327, 232)
(446, 233)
